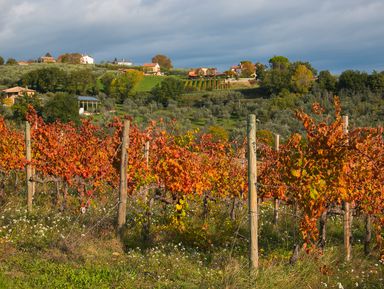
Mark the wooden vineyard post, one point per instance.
(368, 234)
(347, 211)
(148, 203)
(252, 192)
(347, 230)
(146, 153)
(276, 200)
(33, 183)
(122, 210)
(28, 166)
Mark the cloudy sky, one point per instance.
(331, 34)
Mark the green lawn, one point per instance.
(148, 83)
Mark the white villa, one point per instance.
(124, 62)
(86, 59)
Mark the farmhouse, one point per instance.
(152, 68)
(203, 72)
(47, 58)
(10, 94)
(86, 59)
(236, 69)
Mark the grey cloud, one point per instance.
(332, 34)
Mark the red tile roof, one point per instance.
(17, 89)
(150, 64)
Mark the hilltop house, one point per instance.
(236, 69)
(86, 59)
(10, 94)
(203, 72)
(123, 62)
(47, 58)
(152, 68)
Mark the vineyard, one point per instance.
(206, 84)
(328, 172)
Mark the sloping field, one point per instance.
(148, 82)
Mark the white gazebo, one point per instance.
(88, 103)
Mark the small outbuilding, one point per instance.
(88, 104)
(10, 94)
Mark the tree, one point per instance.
(163, 61)
(279, 62)
(106, 80)
(49, 79)
(120, 87)
(302, 79)
(260, 71)
(20, 108)
(376, 82)
(63, 107)
(81, 81)
(278, 78)
(11, 61)
(326, 81)
(1, 60)
(306, 64)
(169, 88)
(353, 80)
(247, 69)
(72, 58)
(48, 54)
(135, 76)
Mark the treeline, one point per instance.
(281, 76)
(116, 85)
(57, 88)
(54, 79)
(10, 61)
(284, 86)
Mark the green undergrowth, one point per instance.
(199, 249)
(106, 265)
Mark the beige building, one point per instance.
(203, 72)
(47, 59)
(152, 68)
(10, 94)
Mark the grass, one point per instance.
(148, 82)
(100, 265)
(48, 249)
